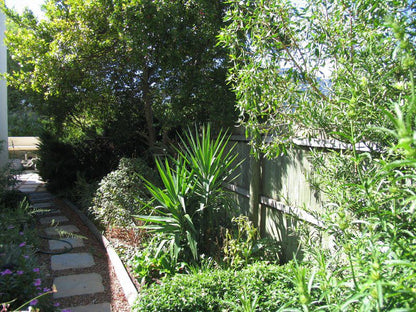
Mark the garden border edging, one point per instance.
(128, 286)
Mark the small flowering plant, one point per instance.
(21, 282)
(33, 304)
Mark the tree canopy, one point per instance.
(125, 68)
(314, 68)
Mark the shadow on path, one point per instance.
(75, 261)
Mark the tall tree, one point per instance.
(315, 67)
(125, 66)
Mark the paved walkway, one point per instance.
(84, 284)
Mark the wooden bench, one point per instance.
(23, 143)
(22, 152)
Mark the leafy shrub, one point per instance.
(7, 177)
(95, 156)
(153, 261)
(17, 224)
(121, 193)
(239, 246)
(369, 218)
(21, 280)
(267, 287)
(11, 198)
(61, 163)
(83, 193)
(243, 244)
(369, 197)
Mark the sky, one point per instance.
(20, 5)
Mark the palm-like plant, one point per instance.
(192, 200)
(212, 164)
(172, 217)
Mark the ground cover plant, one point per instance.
(257, 287)
(21, 281)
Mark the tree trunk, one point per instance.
(148, 110)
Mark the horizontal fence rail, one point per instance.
(271, 203)
(271, 192)
(321, 143)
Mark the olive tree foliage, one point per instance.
(311, 68)
(123, 68)
(281, 53)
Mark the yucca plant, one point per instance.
(172, 216)
(192, 204)
(212, 165)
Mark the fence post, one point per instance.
(262, 224)
(256, 212)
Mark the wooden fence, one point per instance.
(276, 194)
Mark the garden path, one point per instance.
(74, 260)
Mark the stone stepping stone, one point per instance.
(28, 182)
(58, 245)
(40, 200)
(30, 176)
(72, 261)
(42, 205)
(41, 197)
(28, 189)
(44, 212)
(63, 228)
(99, 307)
(53, 220)
(78, 284)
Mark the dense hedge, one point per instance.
(62, 162)
(259, 284)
